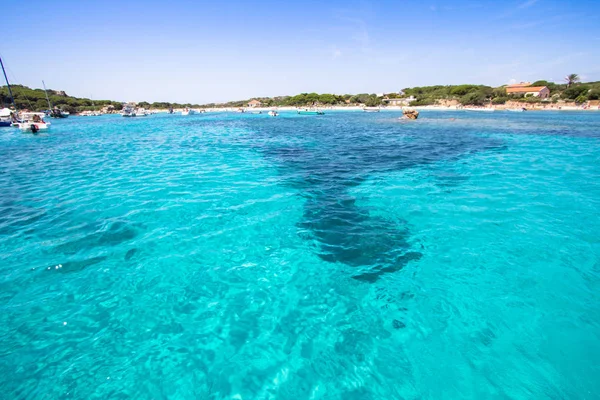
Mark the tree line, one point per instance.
(571, 90)
(35, 100)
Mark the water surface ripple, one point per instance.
(346, 256)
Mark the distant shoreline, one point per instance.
(388, 108)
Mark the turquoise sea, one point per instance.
(344, 256)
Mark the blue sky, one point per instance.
(195, 51)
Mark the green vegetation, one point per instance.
(307, 99)
(35, 100)
(430, 95)
(481, 95)
(478, 95)
(572, 79)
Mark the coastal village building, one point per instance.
(254, 103)
(538, 91)
(399, 102)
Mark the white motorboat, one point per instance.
(371, 109)
(128, 111)
(273, 113)
(6, 117)
(141, 112)
(188, 111)
(310, 111)
(33, 122)
(515, 109)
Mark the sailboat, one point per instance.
(54, 112)
(7, 115)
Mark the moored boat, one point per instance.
(273, 113)
(33, 122)
(9, 117)
(310, 111)
(371, 109)
(57, 113)
(128, 111)
(54, 112)
(188, 111)
(6, 117)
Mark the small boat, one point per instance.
(170, 110)
(516, 109)
(188, 111)
(310, 111)
(371, 109)
(33, 122)
(241, 110)
(273, 113)
(55, 112)
(128, 111)
(6, 118)
(141, 112)
(256, 112)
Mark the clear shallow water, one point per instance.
(343, 256)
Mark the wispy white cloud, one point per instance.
(514, 10)
(527, 4)
(548, 22)
(336, 53)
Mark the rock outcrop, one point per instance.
(410, 114)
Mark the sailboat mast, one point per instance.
(47, 99)
(12, 98)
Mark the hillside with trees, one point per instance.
(478, 95)
(570, 91)
(35, 100)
